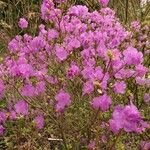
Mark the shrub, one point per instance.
(84, 78)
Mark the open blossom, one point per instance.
(39, 121)
(23, 23)
(28, 90)
(73, 71)
(102, 102)
(63, 100)
(25, 70)
(61, 53)
(132, 56)
(119, 87)
(88, 87)
(141, 70)
(21, 107)
(127, 118)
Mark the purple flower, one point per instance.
(28, 90)
(141, 70)
(40, 87)
(39, 121)
(91, 145)
(52, 34)
(37, 43)
(88, 87)
(104, 2)
(127, 118)
(119, 87)
(147, 98)
(61, 53)
(136, 25)
(23, 23)
(21, 107)
(102, 102)
(26, 70)
(132, 56)
(13, 115)
(73, 71)
(2, 117)
(2, 129)
(63, 100)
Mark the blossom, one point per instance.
(63, 100)
(141, 70)
(102, 102)
(39, 121)
(12, 115)
(21, 107)
(91, 145)
(2, 117)
(127, 118)
(147, 98)
(37, 43)
(135, 25)
(132, 56)
(28, 90)
(104, 2)
(73, 71)
(119, 87)
(88, 87)
(25, 70)
(23, 23)
(40, 87)
(61, 53)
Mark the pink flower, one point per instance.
(40, 87)
(141, 70)
(147, 98)
(28, 90)
(73, 71)
(39, 121)
(102, 102)
(127, 118)
(88, 87)
(23, 23)
(26, 70)
(132, 56)
(2, 117)
(119, 87)
(61, 53)
(91, 145)
(21, 107)
(13, 115)
(104, 2)
(63, 100)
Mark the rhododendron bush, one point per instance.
(84, 78)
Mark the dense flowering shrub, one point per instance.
(84, 78)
